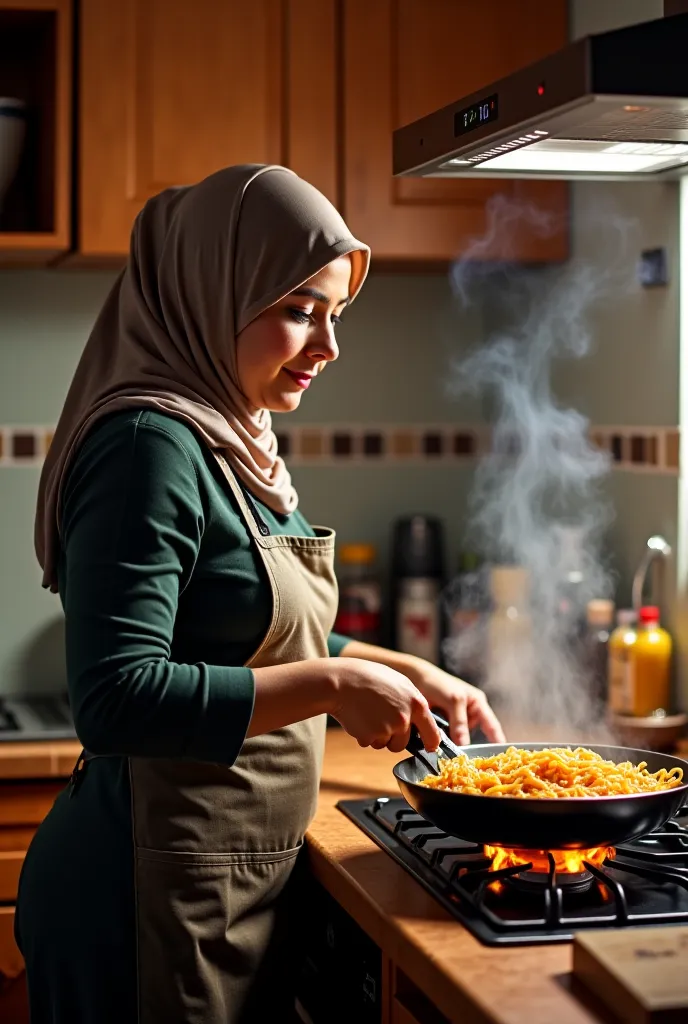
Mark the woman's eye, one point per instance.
(300, 315)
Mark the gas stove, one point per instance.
(644, 882)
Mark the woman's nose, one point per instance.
(325, 347)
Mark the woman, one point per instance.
(199, 605)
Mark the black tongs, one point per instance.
(415, 746)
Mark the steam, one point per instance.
(537, 498)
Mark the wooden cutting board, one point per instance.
(641, 974)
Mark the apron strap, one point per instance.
(255, 522)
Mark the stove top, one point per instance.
(645, 884)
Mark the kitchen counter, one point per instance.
(468, 982)
(49, 759)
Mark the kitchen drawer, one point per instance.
(27, 803)
(14, 1006)
(10, 865)
(411, 1006)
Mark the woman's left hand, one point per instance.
(465, 706)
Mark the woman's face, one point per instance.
(282, 350)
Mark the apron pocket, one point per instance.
(214, 936)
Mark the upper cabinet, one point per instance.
(402, 60)
(168, 91)
(35, 129)
(172, 90)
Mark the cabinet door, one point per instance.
(172, 90)
(402, 60)
(13, 1000)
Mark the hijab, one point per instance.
(204, 262)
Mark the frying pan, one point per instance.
(573, 823)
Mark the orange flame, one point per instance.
(567, 862)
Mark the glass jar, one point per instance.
(358, 615)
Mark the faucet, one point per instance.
(656, 547)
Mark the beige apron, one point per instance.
(215, 846)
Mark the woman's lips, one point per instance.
(302, 379)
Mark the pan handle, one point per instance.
(447, 748)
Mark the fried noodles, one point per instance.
(544, 774)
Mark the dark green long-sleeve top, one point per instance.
(165, 601)
(165, 598)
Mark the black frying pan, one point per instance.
(573, 823)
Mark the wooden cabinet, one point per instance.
(404, 59)
(36, 69)
(172, 90)
(24, 802)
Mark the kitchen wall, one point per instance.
(395, 345)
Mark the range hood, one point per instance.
(608, 106)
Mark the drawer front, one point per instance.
(14, 1004)
(25, 804)
(10, 866)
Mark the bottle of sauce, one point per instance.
(640, 667)
(652, 666)
(358, 614)
(600, 624)
(418, 618)
(621, 667)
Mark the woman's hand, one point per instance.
(378, 705)
(465, 706)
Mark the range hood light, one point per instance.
(578, 156)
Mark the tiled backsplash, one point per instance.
(643, 449)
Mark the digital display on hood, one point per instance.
(478, 114)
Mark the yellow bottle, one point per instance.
(652, 660)
(620, 665)
(639, 665)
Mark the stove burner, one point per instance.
(521, 897)
(538, 881)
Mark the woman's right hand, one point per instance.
(378, 706)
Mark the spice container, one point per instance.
(358, 614)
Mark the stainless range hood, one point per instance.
(605, 107)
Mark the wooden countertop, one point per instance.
(470, 983)
(44, 760)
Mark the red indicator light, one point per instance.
(541, 90)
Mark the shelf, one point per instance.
(35, 67)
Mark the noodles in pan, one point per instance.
(555, 772)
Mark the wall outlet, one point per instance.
(653, 270)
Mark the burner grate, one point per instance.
(646, 883)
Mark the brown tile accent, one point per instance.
(464, 444)
(651, 456)
(342, 444)
(373, 444)
(599, 441)
(283, 444)
(23, 445)
(311, 443)
(616, 447)
(2, 445)
(433, 444)
(672, 445)
(637, 445)
(403, 443)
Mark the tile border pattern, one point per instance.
(634, 449)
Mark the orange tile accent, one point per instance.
(48, 439)
(2, 445)
(651, 450)
(404, 442)
(311, 443)
(672, 449)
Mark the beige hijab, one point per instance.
(204, 262)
